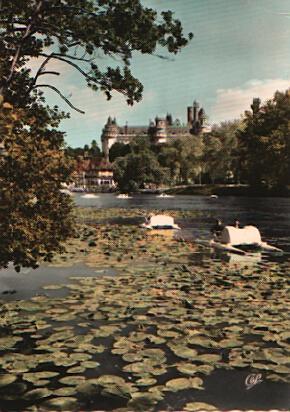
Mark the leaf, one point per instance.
(199, 406)
(60, 404)
(38, 394)
(178, 384)
(7, 379)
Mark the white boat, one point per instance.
(124, 196)
(235, 240)
(89, 196)
(213, 196)
(160, 222)
(164, 195)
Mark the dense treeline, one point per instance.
(254, 150)
(91, 151)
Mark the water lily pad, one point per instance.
(90, 364)
(38, 394)
(183, 351)
(208, 358)
(65, 391)
(60, 404)
(187, 368)
(199, 406)
(7, 379)
(132, 357)
(110, 379)
(142, 401)
(76, 369)
(9, 342)
(36, 376)
(178, 384)
(147, 381)
(72, 380)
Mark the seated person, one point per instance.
(217, 229)
(237, 224)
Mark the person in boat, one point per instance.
(217, 229)
(237, 224)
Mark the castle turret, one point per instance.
(189, 116)
(109, 136)
(195, 111)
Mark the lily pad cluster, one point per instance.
(162, 326)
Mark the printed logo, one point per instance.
(253, 379)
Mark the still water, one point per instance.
(225, 388)
(270, 215)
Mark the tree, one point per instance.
(34, 214)
(94, 150)
(220, 151)
(118, 150)
(138, 168)
(77, 32)
(264, 143)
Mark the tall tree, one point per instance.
(220, 151)
(138, 168)
(265, 142)
(75, 33)
(34, 214)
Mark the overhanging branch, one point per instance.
(60, 94)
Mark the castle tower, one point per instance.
(189, 116)
(109, 136)
(195, 111)
(160, 133)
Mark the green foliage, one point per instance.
(139, 167)
(264, 142)
(220, 152)
(77, 32)
(34, 214)
(118, 150)
(92, 151)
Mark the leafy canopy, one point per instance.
(78, 33)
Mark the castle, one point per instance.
(160, 131)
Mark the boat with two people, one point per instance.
(239, 240)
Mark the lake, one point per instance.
(271, 216)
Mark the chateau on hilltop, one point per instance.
(160, 131)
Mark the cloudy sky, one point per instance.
(240, 50)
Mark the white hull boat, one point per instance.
(159, 222)
(164, 196)
(89, 196)
(235, 240)
(123, 196)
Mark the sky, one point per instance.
(240, 50)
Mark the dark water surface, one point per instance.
(270, 215)
(223, 388)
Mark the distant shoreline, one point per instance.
(229, 190)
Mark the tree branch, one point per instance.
(18, 50)
(60, 94)
(74, 57)
(59, 57)
(49, 72)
